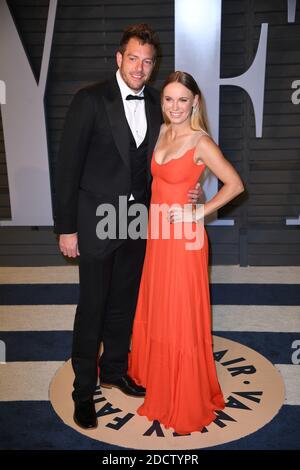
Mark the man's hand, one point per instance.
(195, 195)
(68, 244)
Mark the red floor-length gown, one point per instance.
(171, 352)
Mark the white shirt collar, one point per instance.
(124, 88)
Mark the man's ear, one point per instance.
(119, 58)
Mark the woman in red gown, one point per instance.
(171, 354)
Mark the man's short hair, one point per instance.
(143, 33)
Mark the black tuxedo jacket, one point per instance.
(94, 162)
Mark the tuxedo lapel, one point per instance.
(153, 115)
(117, 119)
(118, 122)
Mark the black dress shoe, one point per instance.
(85, 414)
(126, 385)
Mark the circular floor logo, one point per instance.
(253, 390)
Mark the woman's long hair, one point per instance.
(198, 116)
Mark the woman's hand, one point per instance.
(186, 213)
(195, 195)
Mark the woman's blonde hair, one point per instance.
(198, 116)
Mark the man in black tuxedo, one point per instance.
(109, 136)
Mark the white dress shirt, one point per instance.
(134, 111)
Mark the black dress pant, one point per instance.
(108, 295)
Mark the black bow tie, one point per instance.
(134, 97)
